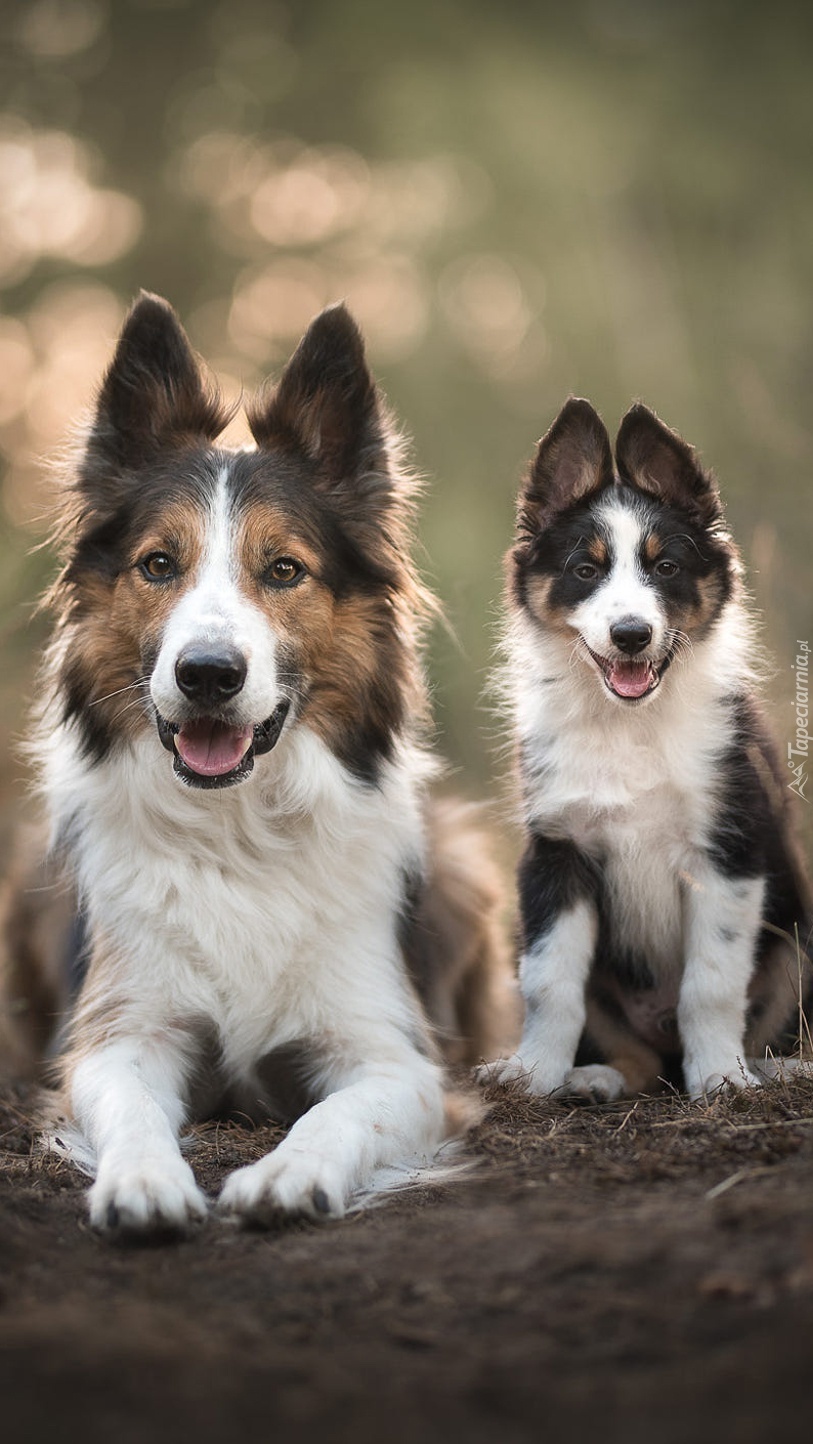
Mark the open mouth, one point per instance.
(208, 752)
(630, 678)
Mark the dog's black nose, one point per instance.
(210, 677)
(630, 635)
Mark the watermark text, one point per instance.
(799, 747)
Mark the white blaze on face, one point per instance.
(625, 592)
(214, 616)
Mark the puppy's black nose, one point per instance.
(210, 677)
(630, 635)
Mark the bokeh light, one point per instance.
(516, 205)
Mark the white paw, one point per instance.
(144, 1196)
(503, 1070)
(701, 1084)
(596, 1083)
(537, 1078)
(284, 1184)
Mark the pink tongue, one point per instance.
(630, 679)
(211, 748)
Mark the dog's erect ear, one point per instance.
(658, 461)
(153, 390)
(325, 405)
(573, 460)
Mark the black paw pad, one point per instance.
(321, 1202)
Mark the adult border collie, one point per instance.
(660, 890)
(231, 748)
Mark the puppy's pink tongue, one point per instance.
(630, 679)
(211, 748)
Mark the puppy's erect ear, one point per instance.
(326, 405)
(153, 390)
(658, 461)
(573, 460)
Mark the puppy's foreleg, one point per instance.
(382, 1113)
(127, 1100)
(560, 925)
(722, 917)
(630, 1065)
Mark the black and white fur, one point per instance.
(660, 891)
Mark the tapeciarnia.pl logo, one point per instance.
(799, 748)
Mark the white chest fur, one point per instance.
(266, 908)
(634, 788)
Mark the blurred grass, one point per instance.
(613, 199)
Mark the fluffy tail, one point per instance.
(455, 944)
(37, 910)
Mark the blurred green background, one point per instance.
(613, 198)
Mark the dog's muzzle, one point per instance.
(209, 752)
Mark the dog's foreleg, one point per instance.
(382, 1113)
(722, 920)
(560, 926)
(127, 1099)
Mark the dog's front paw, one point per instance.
(145, 1197)
(284, 1185)
(596, 1083)
(703, 1083)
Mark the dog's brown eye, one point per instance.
(586, 571)
(158, 567)
(284, 572)
(666, 569)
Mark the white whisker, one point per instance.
(131, 687)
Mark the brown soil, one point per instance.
(623, 1273)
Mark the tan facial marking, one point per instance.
(140, 607)
(652, 547)
(538, 595)
(117, 621)
(264, 535)
(343, 646)
(539, 604)
(697, 616)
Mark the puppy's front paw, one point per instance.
(143, 1197)
(596, 1083)
(704, 1083)
(780, 1070)
(283, 1186)
(537, 1078)
(504, 1070)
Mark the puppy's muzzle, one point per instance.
(631, 635)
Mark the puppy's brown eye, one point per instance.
(158, 567)
(284, 572)
(666, 569)
(586, 571)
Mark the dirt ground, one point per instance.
(630, 1271)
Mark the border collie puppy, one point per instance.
(231, 751)
(660, 890)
